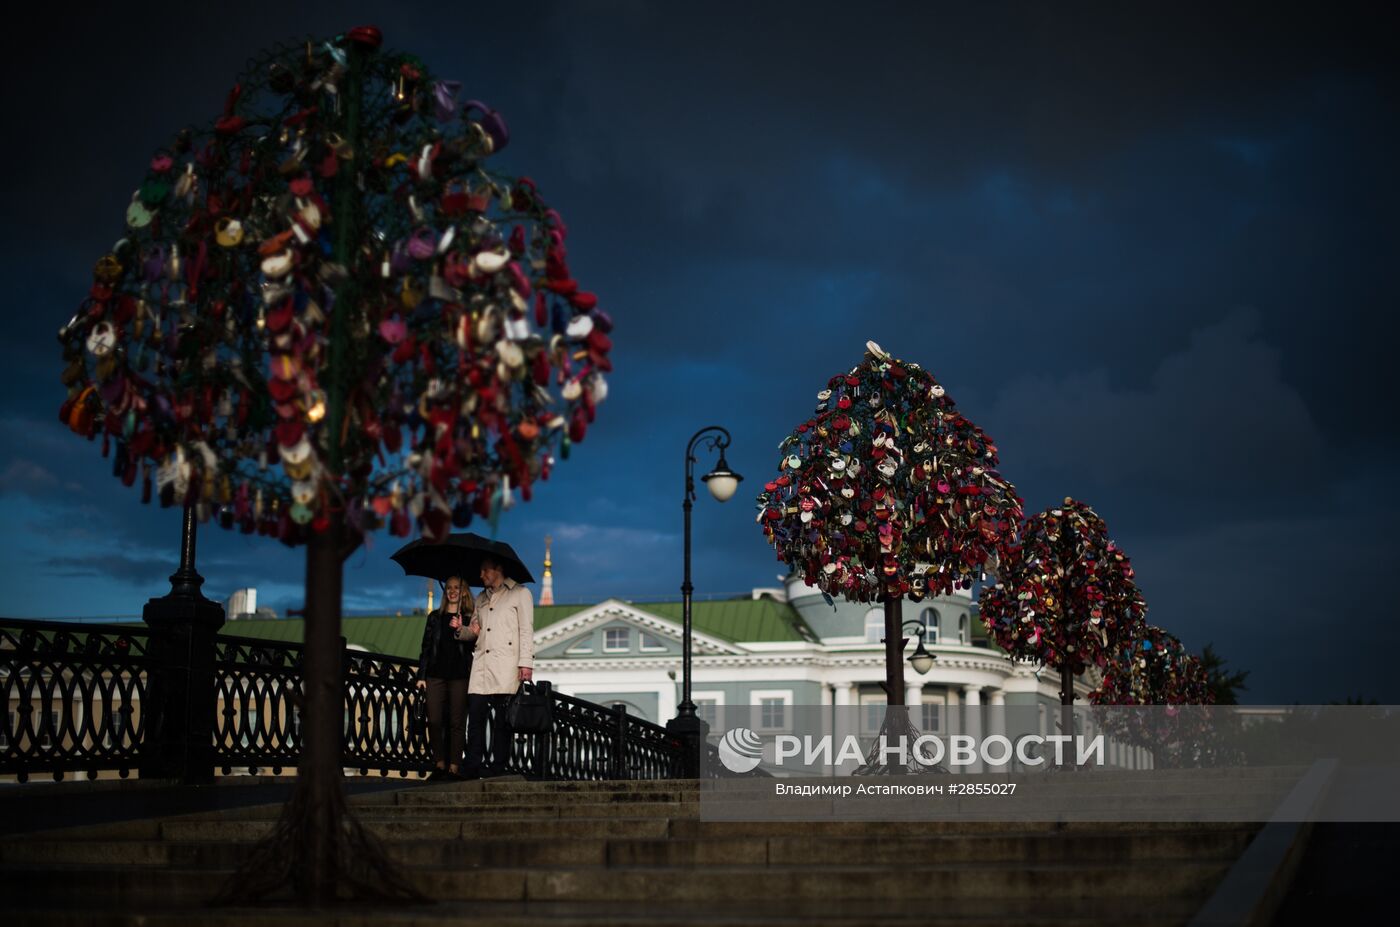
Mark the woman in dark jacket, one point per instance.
(444, 668)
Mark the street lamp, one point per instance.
(920, 659)
(722, 482)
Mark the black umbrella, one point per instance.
(459, 555)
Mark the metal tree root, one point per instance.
(895, 725)
(319, 853)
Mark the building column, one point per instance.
(665, 708)
(996, 723)
(953, 712)
(844, 726)
(972, 721)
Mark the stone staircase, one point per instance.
(570, 854)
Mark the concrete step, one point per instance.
(952, 911)
(1256, 804)
(924, 829)
(1039, 791)
(201, 828)
(443, 829)
(479, 799)
(913, 880)
(818, 852)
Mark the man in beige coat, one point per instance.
(505, 657)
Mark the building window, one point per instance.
(50, 732)
(872, 713)
(932, 717)
(5, 731)
(652, 642)
(875, 626)
(772, 708)
(617, 639)
(962, 629)
(929, 619)
(709, 706)
(582, 645)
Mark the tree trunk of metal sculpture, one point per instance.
(1067, 702)
(319, 853)
(896, 725)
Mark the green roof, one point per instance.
(387, 634)
(738, 619)
(732, 620)
(546, 615)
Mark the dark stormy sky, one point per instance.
(1150, 248)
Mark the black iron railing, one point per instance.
(590, 741)
(71, 697)
(74, 699)
(380, 695)
(257, 689)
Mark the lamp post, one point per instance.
(722, 482)
(180, 694)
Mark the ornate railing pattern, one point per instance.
(74, 705)
(590, 741)
(257, 684)
(379, 699)
(72, 697)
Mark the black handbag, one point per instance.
(418, 717)
(531, 711)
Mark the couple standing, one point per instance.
(463, 683)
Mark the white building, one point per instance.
(787, 648)
(242, 604)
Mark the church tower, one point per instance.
(547, 585)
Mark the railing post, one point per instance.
(544, 743)
(180, 693)
(619, 753)
(691, 733)
(352, 726)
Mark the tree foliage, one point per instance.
(327, 301)
(1065, 595)
(888, 490)
(1225, 685)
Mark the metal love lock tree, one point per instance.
(1065, 597)
(1154, 668)
(886, 492)
(327, 314)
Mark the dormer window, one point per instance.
(617, 639)
(875, 626)
(929, 619)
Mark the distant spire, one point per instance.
(430, 595)
(547, 587)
